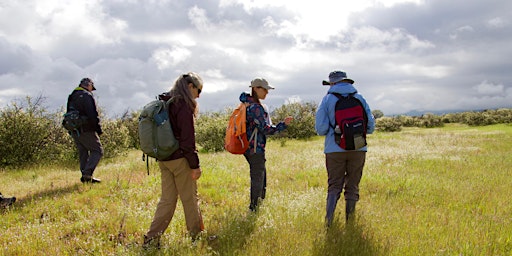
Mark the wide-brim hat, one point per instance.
(337, 76)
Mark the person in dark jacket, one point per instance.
(180, 171)
(259, 125)
(87, 138)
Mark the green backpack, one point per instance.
(155, 132)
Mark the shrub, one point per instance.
(115, 138)
(377, 113)
(388, 124)
(430, 120)
(131, 122)
(211, 129)
(303, 124)
(29, 134)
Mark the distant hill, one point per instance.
(438, 112)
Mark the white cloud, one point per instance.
(487, 88)
(199, 19)
(134, 49)
(498, 22)
(166, 58)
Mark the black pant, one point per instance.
(90, 151)
(258, 177)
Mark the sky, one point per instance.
(404, 55)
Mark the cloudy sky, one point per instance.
(403, 54)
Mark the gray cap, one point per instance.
(260, 82)
(86, 81)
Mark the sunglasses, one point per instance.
(190, 80)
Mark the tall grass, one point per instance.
(442, 191)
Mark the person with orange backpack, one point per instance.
(258, 126)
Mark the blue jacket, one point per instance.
(325, 116)
(257, 118)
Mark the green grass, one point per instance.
(442, 191)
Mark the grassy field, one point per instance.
(443, 191)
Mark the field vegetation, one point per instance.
(425, 191)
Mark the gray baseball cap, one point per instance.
(260, 82)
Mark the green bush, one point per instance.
(131, 122)
(377, 113)
(115, 138)
(30, 135)
(210, 130)
(430, 120)
(303, 124)
(388, 124)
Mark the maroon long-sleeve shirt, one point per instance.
(182, 122)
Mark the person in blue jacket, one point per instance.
(344, 167)
(259, 126)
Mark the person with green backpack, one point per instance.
(179, 171)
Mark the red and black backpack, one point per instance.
(351, 122)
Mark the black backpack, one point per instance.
(72, 120)
(351, 122)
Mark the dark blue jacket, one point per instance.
(84, 102)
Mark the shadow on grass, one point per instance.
(236, 229)
(48, 193)
(347, 239)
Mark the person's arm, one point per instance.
(91, 112)
(258, 113)
(322, 125)
(186, 135)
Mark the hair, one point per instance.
(180, 89)
(254, 95)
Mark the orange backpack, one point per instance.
(236, 141)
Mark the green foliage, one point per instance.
(430, 120)
(400, 211)
(115, 138)
(303, 124)
(131, 122)
(388, 124)
(28, 134)
(377, 113)
(211, 130)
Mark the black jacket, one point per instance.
(83, 101)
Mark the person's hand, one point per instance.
(288, 120)
(196, 173)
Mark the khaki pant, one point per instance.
(176, 182)
(344, 171)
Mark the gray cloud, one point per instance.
(431, 55)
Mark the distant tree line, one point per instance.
(429, 120)
(29, 134)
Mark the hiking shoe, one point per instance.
(88, 179)
(4, 202)
(153, 242)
